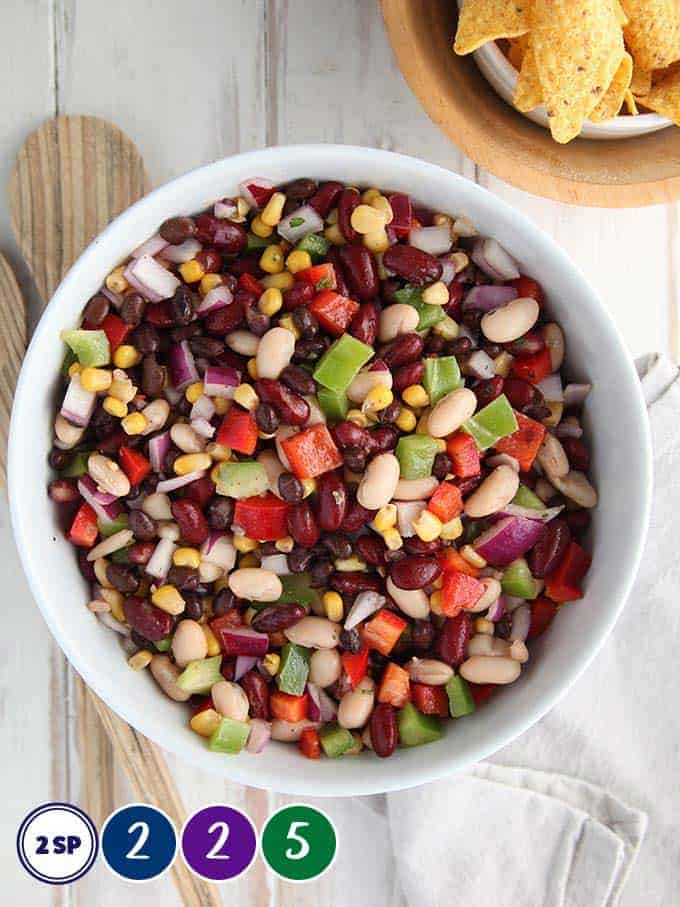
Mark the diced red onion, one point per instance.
(113, 543)
(521, 621)
(161, 560)
(529, 513)
(152, 246)
(183, 251)
(497, 609)
(167, 485)
(365, 604)
(551, 388)
(329, 708)
(569, 429)
(512, 602)
(507, 540)
(217, 298)
(407, 512)
(244, 663)
(257, 191)
(244, 641)
(150, 279)
(220, 382)
(277, 563)
(181, 365)
(225, 208)
(88, 489)
(158, 449)
(575, 394)
(503, 460)
(491, 257)
(259, 735)
(202, 427)
(433, 240)
(203, 408)
(448, 270)
(480, 365)
(219, 550)
(313, 704)
(378, 366)
(116, 299)
(486, 298)
(311, 223)
(78, 404)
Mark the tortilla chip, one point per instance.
(622, 18)
(641, 81)
(579, 47)
(528, 91)
(480, 21)
(653, 32)
(614, 96)
(664, 97)
(517, 48)
(629, 101)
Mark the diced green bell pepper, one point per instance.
(229, 736)
(200, 675)
(77, 465)
(441, 377)
(241, 480)
(495, 421)
(258, 242)
(428, 315)
(335, 740)
(416, 728)
(67, 362)
(416, 455)
(294, 669)
(315, 245)
(90, 347)
(111, 527)
(122, 556)
(340, 363)
(526, 498)
(296, 590)
(163, 645)
(460, 698)
(518, 581)
(334, 405)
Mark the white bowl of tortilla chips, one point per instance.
(580, 67)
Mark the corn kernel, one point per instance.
(308, 487)
(436, 294)
(382, 204)
(270, 302)
(187, 557)
(334, 235)
(333, 606)
(191, 271)
(75, 368)
(271, 259)
(370, 195)
(440, 445)
(126, 356)
(385, 518)
(427, 526)
(219, 452)
(367, 219)
(134, 424)
(243, 544)
(271, 662)
(502, 364)
(140, 660)
(248, 560)
(191, 463)
(484, 626)
(221, 405)
(452, 530)
(205, 723)
(436, 603)
(259, 228)
(441, 220)
(357, 417)
(246, 397)
(406, 420)
(446, 328)
(215, 473)
(471, 556)
(423, 418)
(272, 211)
(377, 399)
(95, 380)
(415, 395)
(283, 281)
(377, 241)
(168, 599)
(286, 321)
(350, 565)
(393, 539)
(116, 282)
(122, 389)
(285, 545)
(194, 391)
(252, 368)
(298, 261)
(242, 208)
(115, 407)
(556, 410)
(208, 283)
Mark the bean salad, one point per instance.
(319, 466)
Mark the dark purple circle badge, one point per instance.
(219, 842)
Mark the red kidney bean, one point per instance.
(454, 636)
(230, 359)
(347, 434)
(414, 572)
(383, 729)
(414, 545)
(246, 264)
(371, 549)
(86, 567)
(384, 438)
(360, 271)
(228, 669)
(356, 516)
(300, 189)
(414, 265)
(226, 319)
(299, 294)
(64, 491)
(302, 525)
(159, 314)
(192, 524)
(454, 306)
(348, 201)
(549, 551)
(256, 689)
(276, 618)
(177, 229)
(364, 325)
(341, 282)
(206, 347)
(468, 485)
(403, 350)
(577, 520)
(352, 583)
(298, 380)
(528, 345)
(258, 323)
(148, 620)
(96, 310)
(140, 552)
(577, 453)
(331, 501)
(122, 577)
(223, 234)
(292, 409)
(520, 393)
(210, 260)
(486, 391)
(325, 197)
(200, 492)
(407, 375)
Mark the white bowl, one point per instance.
(617, 424)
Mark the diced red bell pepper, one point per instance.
(564, 583)
(135, 465)
(115, 329)
(262, 517)
(528, 287)
(250, 284)
(430, 700)
(238, 430)
(288, 707)
(382, 632)
(321, 277)
(481, 692)
(525, 443)
(310, 745)
(333, 311)
(447, 502)
(464, 452)
(84, 529)
(312, 452)
(355, 665)
(533, 368)
(542, 613)
(203, 706)
(401, 214)
(450, 559)
(394, 686)
(159, 314)
(459, 592)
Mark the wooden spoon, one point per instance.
(72, 176)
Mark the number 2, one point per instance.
(215, 851)
(294, 836)
(134, 852)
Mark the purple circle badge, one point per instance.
(219, 842)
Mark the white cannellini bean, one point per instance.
(67, 435)
(273, 468)
(429, 670)
(157, 506)
(274, 352)
(230, 700)
(451, 411)
(396, 319)
(286, 431)
(415, 489)
(552, 457)
(577, 488)
(497, 490)
(186, 438)
(544, 490)
(491, 593)
(356, 706)
(316, 414)
(413, 602)
(379, 482)
(482, 644)
(490, 669)
(112, 543)
(243, 342)
(510, 321)
(208, 572)
(325, 666)
(165, 673)
(554, 340)
(255, 584)
(108, 475)
(168, 530)
(519, 651)
(314, 633)
(156, 415)
(290, 731)
(365, 381)
(189, 642)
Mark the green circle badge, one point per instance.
(299, 843)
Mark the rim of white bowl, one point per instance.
(318, 157)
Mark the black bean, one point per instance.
(434, 344)
(153, 376)
(299, 559)
(290, 488)
(122, 577)
(461, 346)
(267, 418)
(206, 347)
(310, 350)
(442, 466)
(58, 459)
(141, 641)
(320, 573)
(224, 601)
(354, 458)
(422, 635)
(350, 640)
(132, 309)
(186, 579)
(305, 322)
(193, 609)
(96, 310)
(338, 544)
(181, 305)
(145, 338)
(390, 413)
(186, 331)
(220, 513)
(141, 524)
(300, 189)
(258, 322)
(177, 229)
(102, 423)
(169, 460)
(298, 380)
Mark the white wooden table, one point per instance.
(191, 82)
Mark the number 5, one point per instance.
(294, 836)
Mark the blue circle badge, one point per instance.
(139, 842)
(57, 843)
